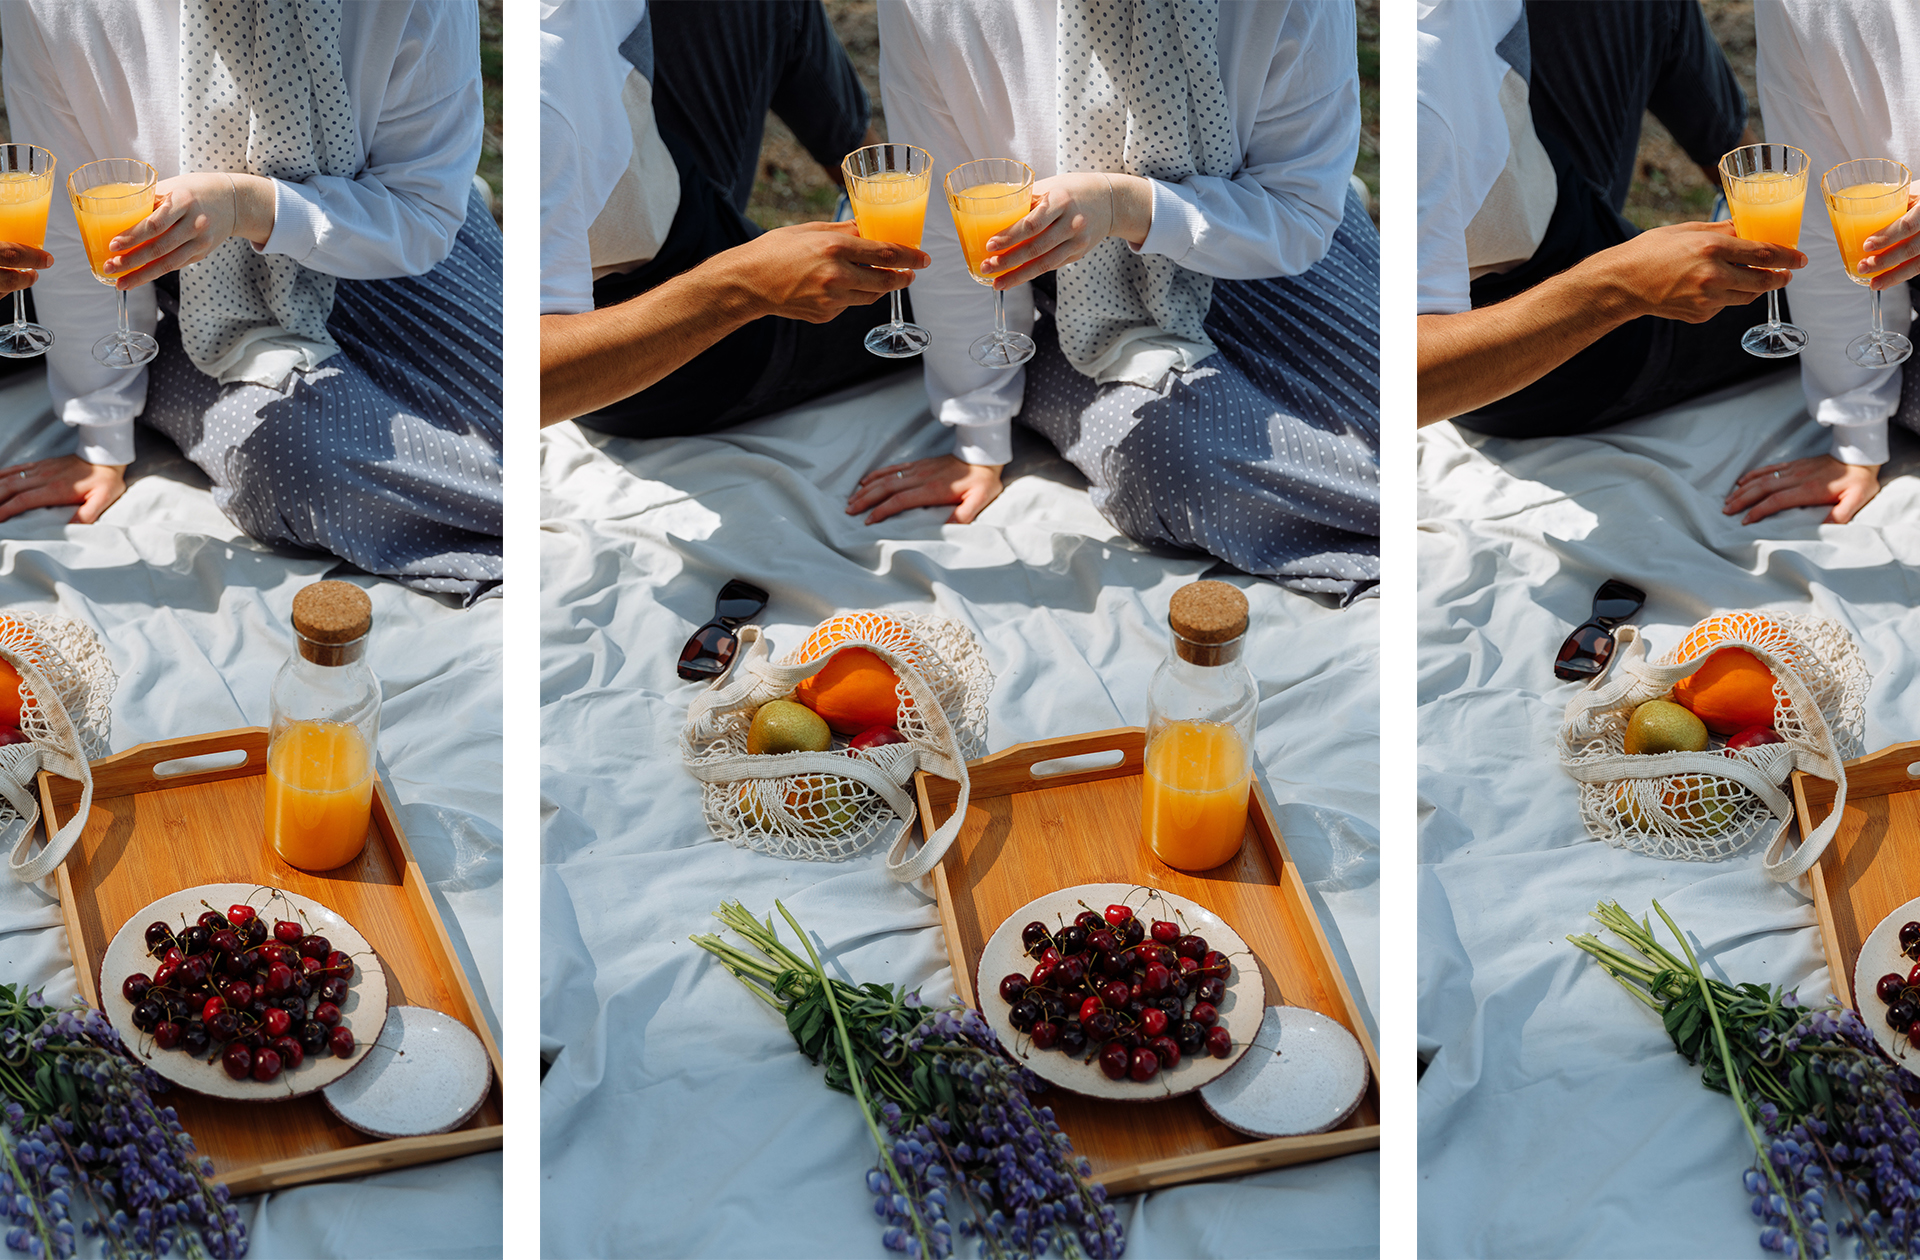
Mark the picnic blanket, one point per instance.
(1555, 1117)
(678, 1119)
(194, 616)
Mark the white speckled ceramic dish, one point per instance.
(1879, 956)
(1239, 1010)
(426, 1074)
(365, 1010)
(1304, 1073)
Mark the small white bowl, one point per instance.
(1304, 1074)
(426, 1074)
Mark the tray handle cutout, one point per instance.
(228, 760)
(1056, 766)
(1058, 762)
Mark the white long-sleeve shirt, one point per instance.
(89, 79)
(1840, 79)
(977, 79)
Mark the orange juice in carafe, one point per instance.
(319, 794)
(326, 731)
(1201, 707)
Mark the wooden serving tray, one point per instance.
(1872, 865)
(1026, 835)
(149, 835)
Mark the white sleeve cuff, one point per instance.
(297, 223)
(983, 443)
(109, 443)
(1860, 443)
(1177, 222)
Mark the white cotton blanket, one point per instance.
(195, 618)
(1555, 1117)
(678, 1119)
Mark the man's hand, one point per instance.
(58, 481)
(22, 264)
(1690, 271)
(1894, 250)
(1804, 483)
(813, 271)
(926, 483)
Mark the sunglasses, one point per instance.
(710, 649)
(1590, 646)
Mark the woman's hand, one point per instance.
(1071, 214)
(59, 481)
(195, 214)
(1897, 246)
(1804, 483)
(22, 263)
(926, 483)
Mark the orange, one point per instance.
(1730, 693)
(856, 691)
(10, 695)
(1755, 628)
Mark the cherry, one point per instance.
(240, 915)
(1913, 977)
(334, 990)
(1071, 971)
(1012, 986)
(166, 1034)
(223, 1026)
(1191, 947)
(227, 941)
(158, 936)
(1119, 915)
(1112, 964)
(163, 974)
(173, 957)
(1073, 1039)
(1145, 1065)
(1073, 940)
(1090, 920)
(326, 1013)
(1219, 1041)
(340, 1041)
(1154, 1021)
(309, 965)
(1102, 940)
(239, 993)
(238, 1060)
(1114, 1060)
(256, 931)
(1212, 989)
(1166, 1051)
(195, 969)
(1024, 1015)
(292, 1053)
(213, 1006)
(1900, 1016)
(1164, 932)
(1909, 936)
(1100, 1027)
(266, 1064)
(279, 978)
(194, 1040)
(315, 947)
(287, 932)
(1033, 936)
(1157, 980)
(1115, 993)
(1205, 1014)
(1189, 1036)
(313, 1036)
(147, 1016)
(277, 1022)
(1133, 932)
(1187, 965)
(195, 940)
(1042, 974)
(1045, 1034)
(1089, 1007)
(134, 987)
(340, 963)
(1214, 963)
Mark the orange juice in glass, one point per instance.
(1766, 188)
(1863, 196)
(887, 185)
(109, 196)
(26, 193)
(987, 196)
(1195, 809)
(319, 794)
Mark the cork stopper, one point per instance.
(1207, 619)
(331, 618)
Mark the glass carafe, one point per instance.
(1201, 709)
(325, 731)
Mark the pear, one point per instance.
(781, 726)
(1661, 726)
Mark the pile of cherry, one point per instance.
(1902, 993)
(1123, 988)
(261, 1005)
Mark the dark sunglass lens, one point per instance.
(739, 600)
(1617, 601)
(708, 653)
(1584, 654)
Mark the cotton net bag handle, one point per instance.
(55, 746)
(755, 679)
(1631, 679)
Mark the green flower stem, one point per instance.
(853, 1076)
(1733, 1080)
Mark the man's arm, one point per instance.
(1687, 271)
(809, 271)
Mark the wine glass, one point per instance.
(888, 186)
(1766, 187)
(110, 196)
(26, 191)
(1863, 196)
(988, 195)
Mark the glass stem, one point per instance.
(1879, 332)
(1000, 314)
(898, 321)
(126, 331)
(1773, 308)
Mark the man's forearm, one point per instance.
(596, 358)
(1477, 357)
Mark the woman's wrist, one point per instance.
(1132, 208)
(253, 204)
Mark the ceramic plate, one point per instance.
(1304, 1074)
(426, 1073)
(1880, 955)
(365, 1010)
(1240, 1010)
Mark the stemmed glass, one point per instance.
(110, 196)
(26, 192)
(988, 195)
(1863, 196)
(888, 186)
(1766, 187)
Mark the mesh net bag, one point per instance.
(66, 692)
(828, 806)
(1704, 806)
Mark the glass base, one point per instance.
(1001, 350)
(1877, 350)
(125, 350)
(23, 340)
(898, 341)
(1774, 341)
